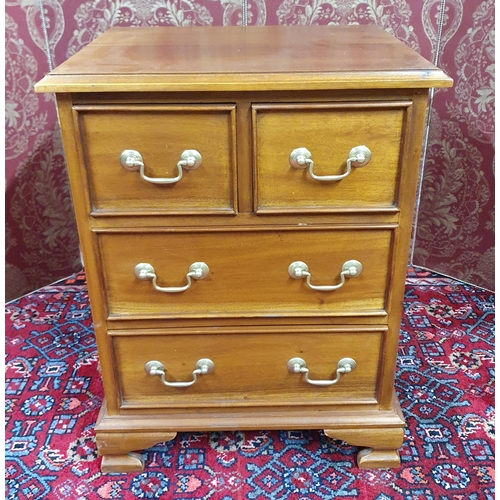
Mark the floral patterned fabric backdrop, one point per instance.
(454, 231)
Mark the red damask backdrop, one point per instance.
(455, 227)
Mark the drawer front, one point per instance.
(160, 134)
(248, 273)
(329, 133)
(248, 368)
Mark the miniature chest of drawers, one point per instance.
(244, 202)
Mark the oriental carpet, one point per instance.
(445, 382)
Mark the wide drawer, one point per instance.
(160, 134)
(248, 368)
(329, 132)
(248, 272)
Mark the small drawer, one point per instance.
(117, 139)
(364, 139)
(253, 273)
(245, 369)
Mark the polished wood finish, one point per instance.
(129, 462)
(249, 274)
(244, 98)
(166, 131)
(383, 442)
(329, 132)
(236, 58)
(116, 447)
(257, 362)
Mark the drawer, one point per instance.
(160, 134)
(329, 132)
(249, 368)
(248, 272)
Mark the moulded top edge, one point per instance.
(242, 81)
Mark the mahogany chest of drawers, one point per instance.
(244, 201)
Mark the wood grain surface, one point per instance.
(250, 370)
(248, 273)
(245, 98)
(329, 132)
(160, 134)
(243, 58)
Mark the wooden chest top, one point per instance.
(244, 59)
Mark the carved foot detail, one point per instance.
(117, 449)
(131, 462)
(381, 445)
(378, 459)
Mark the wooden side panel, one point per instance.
(89, 247)
(411, 160)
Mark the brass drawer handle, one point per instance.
(350, 269)
(197, 271)
(298, 365)
(203, 366)
(132, 160)
(302, 158)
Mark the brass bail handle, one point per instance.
(202, 367)
(132, 160)
(344, 366)
(146, 272)
(359, 156)
(350, 269)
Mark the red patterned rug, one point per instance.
(444, 381)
